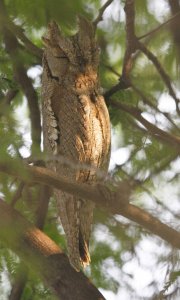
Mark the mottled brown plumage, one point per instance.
(76, 125)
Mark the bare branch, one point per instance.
(162, 72)
(131, 47)
(158, 133)
(112, 70)
(151, 223)
(150, 103)
(159, 27)
(115, 202)
(101, 11)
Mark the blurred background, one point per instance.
(128, 262)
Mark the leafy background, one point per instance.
(127, 261)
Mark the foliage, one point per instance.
(150, 157)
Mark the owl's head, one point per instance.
(78, 53)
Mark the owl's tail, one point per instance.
(76, 217)
(84, 251)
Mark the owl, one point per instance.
(76, 127)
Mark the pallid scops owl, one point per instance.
(76, 126)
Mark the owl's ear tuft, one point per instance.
(85, 27)
(86, 39)
(50, 36)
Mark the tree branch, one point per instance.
(115, 202)
(101, 11)
(40, 216)
(151, 104)
(18, 31)
(162, 72)
(175, 24)
(130, 39)
(10, 95)
(39, 252)
(12, 47)
(172, 19)
(156, 132)
(26, 85)
(131, 47)
(19, 283)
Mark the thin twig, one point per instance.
(158, 133)
(101, 11)
(162, 72)
(150, 103)
(159, 27)
(112, 70)
(122, 85)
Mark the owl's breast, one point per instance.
(84, 128)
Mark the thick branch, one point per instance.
(19, 283)
(151, 223)
(100, 194)
(113, 202)
(18, 32)
(21, 276)
(40, 253)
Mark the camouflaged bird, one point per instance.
(76, 126)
